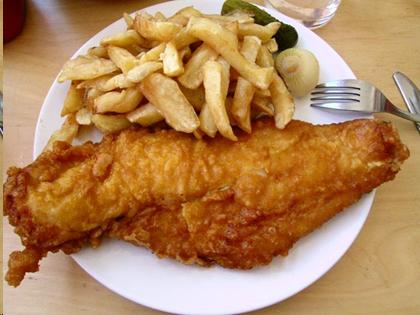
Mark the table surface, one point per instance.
(380, 274)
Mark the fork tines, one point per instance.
(337, 91)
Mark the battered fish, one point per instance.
(237, 204)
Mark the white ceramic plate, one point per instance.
(167, 285)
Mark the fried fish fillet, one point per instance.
(209, 201)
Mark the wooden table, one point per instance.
(380, 274)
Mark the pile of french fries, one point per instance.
(199, 73)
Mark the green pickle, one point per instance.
(286, 36)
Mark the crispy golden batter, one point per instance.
(208, 201)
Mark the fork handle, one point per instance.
(390, 108)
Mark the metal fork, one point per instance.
(356, 96)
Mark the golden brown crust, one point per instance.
(199, 201)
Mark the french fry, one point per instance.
(207, 124)
(186, 64)
(262, 93)
(119, 81)
(233, 27)
(282, 102)
(172, 61)
(159, 16)
(85, 68)
(228, 103)
(239, 17)
(128, 20)
(185, 53)
(179, 19)
(90, 96)
(149, 28)
(189, 12)
(153, 54)
(164, 93)
(192, 76)
(244, 92)
(73, 101)
(66, 133)
(225, 75)
(272, 45)
(100, 52)
(146, 115)
(151, 43)
(140, 72)
(263, 104)
(123, 39)
(224, 42)
(122, 58)
(195, 97)
(97, 83)
(84, 116)
(110, 123)
(262, 32)
(135, 49)
(215, 92)
(264, 57)
(184, 39)
(183, 16)
(118, 102)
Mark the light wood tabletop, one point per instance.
(380, 274)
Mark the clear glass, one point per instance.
(311, 13)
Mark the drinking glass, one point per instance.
(312, 13)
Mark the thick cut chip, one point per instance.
(119, 81)
(263, 104)
(146, 115)
(172, 61)
(244, 92)
(128, 20)
(184, 39)
(122, 58)
(207, 124)
(123, 39)
(183, 16)
(272, 45)
(193, 76)
(73, 101)
(265, 33)
(265, 57)
(165, 94)
(224, 42)
(159, 16)
(84, 117)
(263, 93)
(282, 102)
(140, 72)
(153, 54)
(85, 68)
(66, 133)
(240, 17)
(215, 91)
(118, 102)
(196, 97)
(110, 123)
(150, 28)
(97, 83)
(100, 52)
